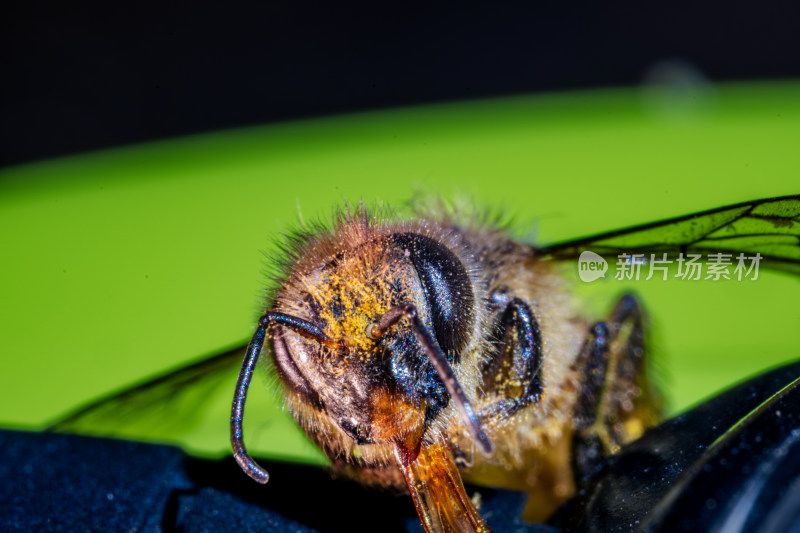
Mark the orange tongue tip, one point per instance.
(407, 454)
(408, 444)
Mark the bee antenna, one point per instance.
(303, 327)
(439, 361)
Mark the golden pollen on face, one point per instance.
(353, 295)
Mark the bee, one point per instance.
(418, 352)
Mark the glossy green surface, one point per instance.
(120, 264)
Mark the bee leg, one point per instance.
(512, 377)
(616, 402)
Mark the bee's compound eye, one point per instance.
(447, 288)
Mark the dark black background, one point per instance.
(85, 75)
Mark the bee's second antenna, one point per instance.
(439, 361)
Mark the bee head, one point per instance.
(378, 384)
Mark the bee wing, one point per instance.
(769, 226)
(163, 408)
